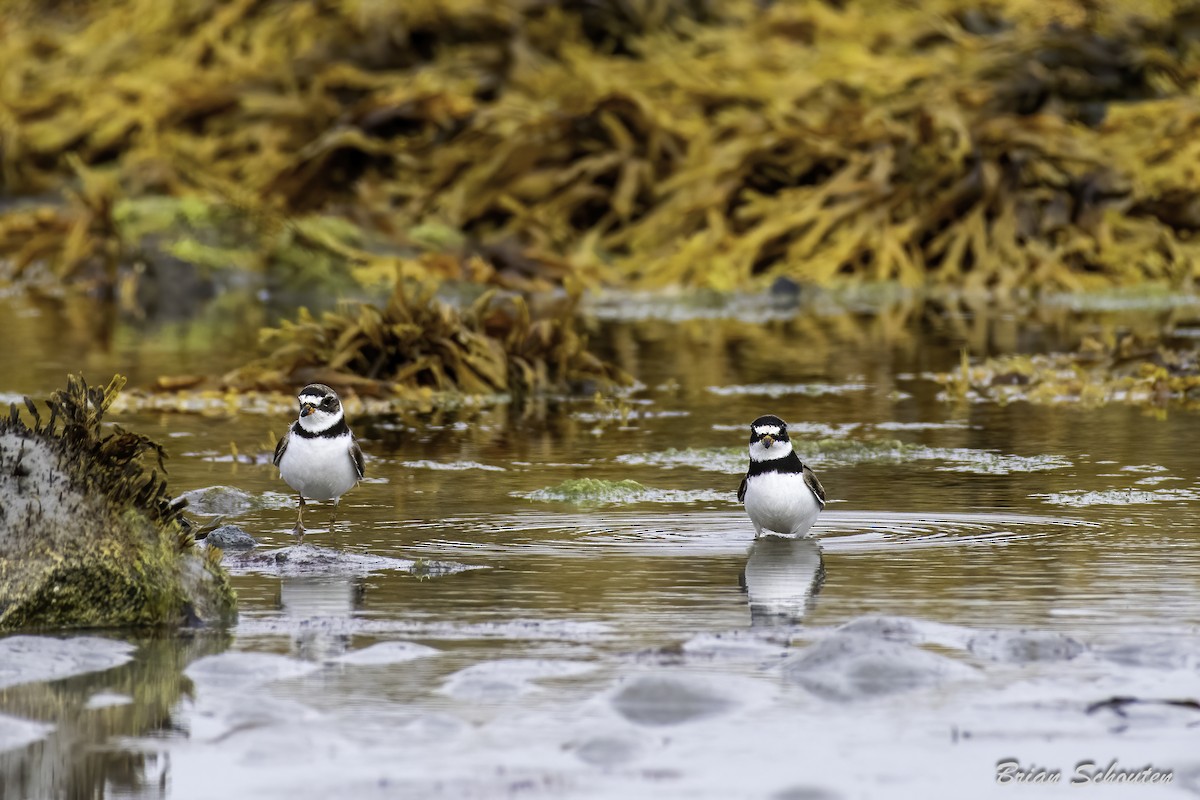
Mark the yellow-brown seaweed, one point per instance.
(416, 346)
(1018, 144)
(1114, 369)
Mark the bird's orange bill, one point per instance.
(768, 440)
(307, 409)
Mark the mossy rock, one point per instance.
(88, 535)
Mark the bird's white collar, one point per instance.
(772, 453)
(319, 420)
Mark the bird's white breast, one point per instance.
(781, 502)
(319, 468)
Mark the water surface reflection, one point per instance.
(782, 577)
(536, 670)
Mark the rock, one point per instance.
(224, 500)
(28, 659)
(1024, 647)
(805, 793)
(385, 653)
(239, 670)
(785, 288)
(508, 677)
(230, 537)
(909, 630)
(505, 678)
(228, 501)
(16, 733)
(662, 700)
(606, 751)
(894, 629)
(854, 667)
(310, 560)
(88, 535)
(1152, 650)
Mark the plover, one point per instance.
(779, 492)
(319, 456)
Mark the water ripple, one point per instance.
(582, 536)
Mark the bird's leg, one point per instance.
(299, 529)
(333, 514)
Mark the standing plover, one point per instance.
(319, 457)
(780, 493)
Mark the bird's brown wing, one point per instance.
(357, 456)
(810, 479)
(280, 447)
(742, 490)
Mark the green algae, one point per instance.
(1080, 498)
(90, 537)
(838, 452)
(597, 491)
(591, 491)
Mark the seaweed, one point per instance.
(417, 344)
(1137, 370)
(1016, 144)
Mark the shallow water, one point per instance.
(984, 579)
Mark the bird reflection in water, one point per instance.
(320, 607)
(781, 578)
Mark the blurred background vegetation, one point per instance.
(648, 143)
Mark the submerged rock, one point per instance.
(854, 667)
(231, 537)
(1152, 650)
(27, 659)
(224, 500)
(309, 560)
(1024, 647)
(606, 751)
(387, 653)
(662, 700)
(16, 733)
(805, 793)
(88, 535)
(239, 670)
(894, 629)
(491, 681)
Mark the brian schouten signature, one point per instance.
(1011, 770)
